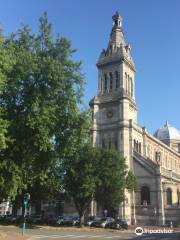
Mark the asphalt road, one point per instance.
(70, 233)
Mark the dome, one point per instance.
(167, 133)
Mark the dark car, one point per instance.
(95, 222)
(118, 224)
(106, 220)
(89, 220)
(70, 221)
(59, 221)
(34, 219)
(51, 220)
(10, 218)
(2, 217)
(102, 222)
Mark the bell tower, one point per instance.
(114, 108)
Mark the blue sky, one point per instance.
(152, 28)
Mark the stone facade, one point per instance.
(155, 163)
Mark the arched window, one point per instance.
(139, 147)
(101, 85)
(129, 85)
(178, 197)
(111, 81)
(169, 196)
(145, 195)
(179, 147)
(117, 79)
(132, 88)
(126, 82)
(105, 82)
(134, 145)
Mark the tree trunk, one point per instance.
(81, 217)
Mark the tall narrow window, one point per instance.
(105, 82)
(178, 197)
(101, 84)
(126, 83)
(117, 79)
(145, 195)
(132, 88)
(129, 85)
(134, 145)
(169, 196)
(139, 147)
(179, 147)
(111, 81)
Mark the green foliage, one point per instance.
(44, 137)
(6, 62)
(80, 179)
(42, 90)
(131, 181)
(96, 173)
(112, 172)
(10, 180)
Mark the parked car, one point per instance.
(95, 222)
(89, 220)
(12, 219)
(34, 219)
(2, 218)
(59, 221)
(102, 222)
(105, 221)
(70, 221)
(118, 224)
(51, 220)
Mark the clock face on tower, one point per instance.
(109, 113)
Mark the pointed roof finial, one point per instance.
(117, 20)
(167, 124)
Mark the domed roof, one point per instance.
(167, 133)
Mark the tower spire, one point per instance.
(117, 20)
(117, 36)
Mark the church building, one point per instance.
(154, 159)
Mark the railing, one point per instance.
(170, 173)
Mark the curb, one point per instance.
(87, 229)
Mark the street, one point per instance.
(83, 234)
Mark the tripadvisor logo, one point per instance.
(139, 231)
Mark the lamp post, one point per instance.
(26, 199)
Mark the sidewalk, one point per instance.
(13, 236)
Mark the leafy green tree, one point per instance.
(80, 178)
(40, 99)
(6, 63)
(96, 173)
(112, 172)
